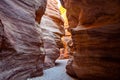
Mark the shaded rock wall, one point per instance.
(52, 28)
(20, 41)
(95, 29)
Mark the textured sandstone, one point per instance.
(95, 28)
(20, 41)
(52, 28)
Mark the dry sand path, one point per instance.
(56, 73)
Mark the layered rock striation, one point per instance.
(52, 28)
(20, 40)
(95, 29)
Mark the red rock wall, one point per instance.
(95, 28)
(52, 29)
(20, 42)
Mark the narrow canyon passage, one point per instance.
(49, 39)
(56, 73)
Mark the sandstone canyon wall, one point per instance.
(95, 29)
(52, 28)
(20, 40)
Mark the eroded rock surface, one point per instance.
(95, 29)
(20, 41)
(52, 28)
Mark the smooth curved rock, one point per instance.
(20, 41)
(95, 28)
(52, 27)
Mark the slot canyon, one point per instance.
(59, 39)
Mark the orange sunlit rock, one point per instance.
(95, 29)
(65, 39)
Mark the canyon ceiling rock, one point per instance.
(20, 41)
(95, 29)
